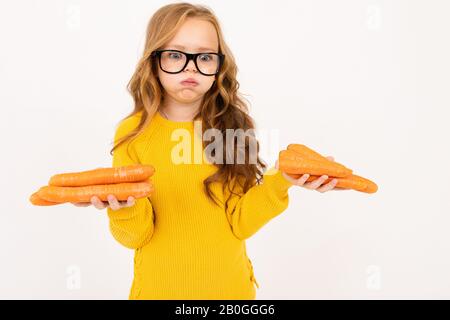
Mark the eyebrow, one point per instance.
(182, 47)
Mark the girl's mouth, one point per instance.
(189, 83)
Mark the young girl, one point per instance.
(189, 234)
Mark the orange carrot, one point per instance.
(99, 176)
(371, 186)
(83, 194)
(38, 201)
(292, 162)
(350, 182)
(354, 182)
(308, 153)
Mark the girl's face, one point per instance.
(194, 36)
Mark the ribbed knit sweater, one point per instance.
(186, 246)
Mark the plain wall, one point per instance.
(364, 81)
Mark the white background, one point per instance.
(364, 81)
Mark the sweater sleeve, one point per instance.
(130, 226)
(248, 212)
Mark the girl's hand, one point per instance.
(112, 202)
(313, 185)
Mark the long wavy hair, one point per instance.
(222, 107)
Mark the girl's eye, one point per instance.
(174, 55)
(205, 57)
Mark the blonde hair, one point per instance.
(222, 106)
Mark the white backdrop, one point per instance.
(365, 81)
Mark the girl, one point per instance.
(189, 235)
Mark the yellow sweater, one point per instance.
(187, 247)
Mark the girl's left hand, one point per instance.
(313, 185)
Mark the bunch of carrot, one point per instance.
(298, 159)
(122, 182)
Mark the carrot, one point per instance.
(350, 182)
(372, 187)
(308, 153)
(292, 162)
(38, 201)
(354, 182)
(83, 194)
(130, 173)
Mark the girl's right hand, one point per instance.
(112, 202)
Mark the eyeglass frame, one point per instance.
(189, 57)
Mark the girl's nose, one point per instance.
(191, 66)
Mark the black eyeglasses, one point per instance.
(174, 61)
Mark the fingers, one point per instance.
(112, 202)
(316, 183)
(302, 180)
(115, 204)
(326, 187)
(96, 202)
(130, 201)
